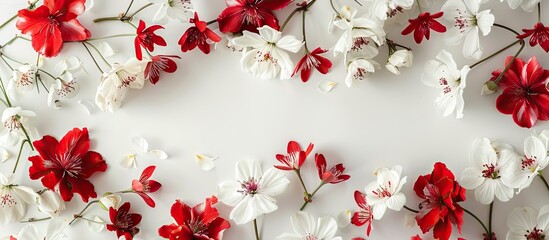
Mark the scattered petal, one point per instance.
(129, 162)
(4, 155)
(105, 49)
(410, 220)
(88, 105)
(343, 218)
(140, 144)
(159, 154)
(204, 162)
(326, 86)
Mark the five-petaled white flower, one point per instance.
(22, 80)
(398, 59)
(181, 10)
(384, 9)
(444, 75)
(528, 223)
(306, 226)
(385, 191)
(267, 57)
(360, 62)
(252, 193)
(15, 122)
(467, 20)
(486, 175)
(13, 200)
(360, 27)
(54, 231)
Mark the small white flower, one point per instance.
(444, 75)
(141, 146)
(54, 231)
(486, 176)
(181, 10)
(267, 57)
(306, 226)
(385, 191)
(205, 163)
(383, 9)
(361, 27)
(13, 120)
(62, 89)
(400, 58)
(22, 80)
(467, 20)
(528, 223)
(14, 199)
(252, 194)
(360, 64)
(50, 202)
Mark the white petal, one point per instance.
(326, 86)
(326, 228)
(249, 39)
(303, 223)
(227, 191)
(4, 155)
(486, 192)
(105, 49)
(396, 202)
(471, 45)
(96, 227)
(140, 144)
(273, 182)
(289, 43)
(159, 154)
(55, 229)
(343, 219)
(378, 210)
(522, 218)
(534, 148)
(204, 162)
(29, 232)
(88, 106)
(269, 34)
(471, 178)
(485, 21)
(247, 169)
(503, 192)
(129, 162)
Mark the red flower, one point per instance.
(333, 175)
(200, 222)
(422, 24)
(539, 35)
(311, 60)
(295, 158)
(364, 215)
(123, 222)
(439, 210)
(525, 93)
(144, 185)
(249, 15)
(67, 164)
(52, 24)
(198, 36)
(160, 63)
(147, 38)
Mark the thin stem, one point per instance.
(522, 44)
(256, 230)
(307, 201)
(488, 233)
(419, 6)
(124, 191)
(104, 19)
(298, 172)
(113, 36)
(79, 215)
(19, 156)
(11, 59)
(490, 219)
(31, 6)
(410, 209)
(539, 11)
(90, 220)
(3, 88)
(333, 7)
(6, 62)
(99, 52)
(140, 9)
(29, 141)
(544, 180)
(91, 55)
(496, 53)
(290, 17)
(47, 73)
(304, 33)
(128, 9)
(506, 28)
(398, 45)
(35, 220)
(211, 22)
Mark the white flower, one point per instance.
(467, 20)
(15, 122)
(486, 175)
(360, 63)
(141, 146)
(385, 191)
(383, 9)
(23, 80)
(400, 58)
(528, 223)
(14, 200)
(110, 200)
(181, 10)
(205, 163)
(443, 74)
(526, 5)
(115, 84)
(307, 226)
(50, 202)
(252, 193)
(267, 57)
(54, 231)
(62, 89)
(361, 27)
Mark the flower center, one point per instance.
(7, 200)
(24, 80)
(535, 234)
(393, 12)
(196, 226)
(359, 42)
(490, 171)
(310, 237)
(383, 191)
(124, 221)
(360, 74)
(529, 163)
(12, 123)
(250, 187)
(462, 21)
(126, 78)
(252, 16)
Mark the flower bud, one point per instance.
(489, 87)
(110, 200)
(50, 202)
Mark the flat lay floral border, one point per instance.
(251, 28)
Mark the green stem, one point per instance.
(298, 172)
(256, 230)
(79, 215)
(522, 44)
(539, 11)
(496, 53)
(6, 62)
(140, 9)
(3, 88)
(490, 220)
(398, 45)
(11, 59)
(211, 22)
(506, 28)
(304, 33)
(31, 6)
(113, 36)
(19, 156)
(307, 201)
(91, 55)
(128, 9)
(104, 19)
(488, 233)
(544, 180)
(98, 52)
(90, 220)
(334, 8)
(35, 220)
(290, 17)
(410, 209)
(29, 141)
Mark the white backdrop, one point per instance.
(209, 106)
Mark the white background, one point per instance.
(209, 106)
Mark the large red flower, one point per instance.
(159, 63)
(123, 222)
(310, 60)
(248, 15)
(330, 174)
(67, 164)
(144, 185)
(539, 35)
(422, 25)
(199, 35)
(525, 93)
(52, 24)
(440, 208)
(295, 158)
(364, 215)
(202, 222)
(147, 38)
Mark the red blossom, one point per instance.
(295, 158)
(249, 15)
(147, 38)
(310, 60)
(52, 24)
(123, 222)
(525, 93)
(144, 185)
(67, 164)
(539, 35)
(160, 63)
(202, 222)
(422, 25)
(364, 215)
(440, 208)
(199, 35)
(332, 174)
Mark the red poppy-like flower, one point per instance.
(249, 15)
(199, 35)
(160, 63)
(364, 215)
(310, 60)
(144, 185)
(525, 93)
(67, 164)
(202, 222)
(295, 158)
(123, 222)
(422, 25)
(52, 24)
(147, 38)
(539, 35)
(440, 208)
(332, 174)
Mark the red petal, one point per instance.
(92, 162)
(46, 147)
(507, 101)
(181, 212)
(153, 186)
(524, 114)
(205, 48)
(212, 35)
(140, 27)
(51, 179)
(436, 26)
(137, 46)
(305, 74)
(231, 20)
(49, 41)
(64, 190)
(32, 22)
(147, 173)
(420, 184)
(360, 200)
(216, 228)
(72, 31)
(82, 187)
(158, 40)
(75, 143)
(443, 229)
(320, 164)
(148, 200)
(166, 230)
(171, 66)
(274, 4)
(37, 169)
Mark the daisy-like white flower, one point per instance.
(252, 194)
(306, 226)
(485, 175)
(54, 231)
(384, 9)
(385, 191)
(467, 20)
(15, 122)
(398, 59)
(360, 63)
(22, 80)
(181, 10)
(528, 223)
(13, 200)
(267, 57)
(444, 75)
(356, 27)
